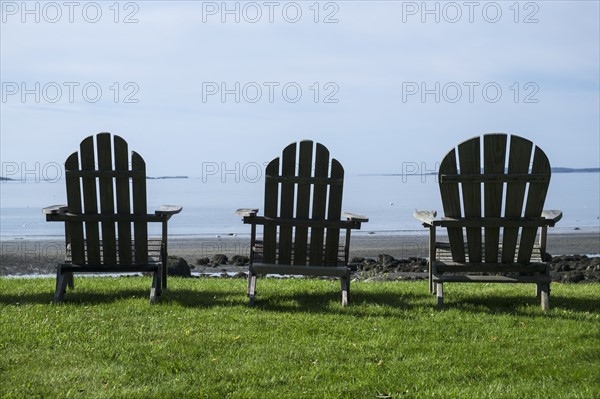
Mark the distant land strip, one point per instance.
(147, 177)
(167, 177)
(554, 170)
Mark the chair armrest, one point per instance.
(246, 212)
(355, 217)
(426, 217)
(552, 215)
(168, 210)
(54, 209)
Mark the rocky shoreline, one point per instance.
(377, 256)
(563, 269)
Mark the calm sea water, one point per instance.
(208, 206)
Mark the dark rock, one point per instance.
(239, 260)
(375, 278)
(383, 259)
(219, 259)
(563, 267)
(177, 266)
(368, 264)
(572, 277)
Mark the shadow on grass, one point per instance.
(360, 303)
(76, 297)
(561, 307)
(186, 298)
(386, 303)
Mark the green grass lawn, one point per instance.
(201, 340)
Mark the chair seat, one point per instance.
(266, 268)
(259, 250)
(445, 264)
(543, 278)
(149, 267)
(444, 254)
(154, 248)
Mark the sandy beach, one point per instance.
(39, 257)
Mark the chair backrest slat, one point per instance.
(518, 162)
(271, 206)
(334, 212)
(494, 159)
(123, 200)
(319, 205)
(303, 201)
(90, 200)
(451, 204)
(535, 204)
(470, 163)
(288, 169)
(74, 229)
(107, 199)
(140, 228)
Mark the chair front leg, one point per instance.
(432, 247)
(345, 282)
(164, 254)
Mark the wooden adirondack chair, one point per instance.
(296, 240)
(109, 249)
(508, 252)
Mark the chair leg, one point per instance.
(251, 287)
(348, 287)
(163, 272)
(70, 281)
(430, 276)
(61, 286)
(160, 284)
(156, 286)
(439, 290)
(345, 282)
(544, 295)
(163, 281)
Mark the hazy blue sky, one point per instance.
(379, 83)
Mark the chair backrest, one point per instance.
(99, 181)
(301, 199)
(508, 183)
